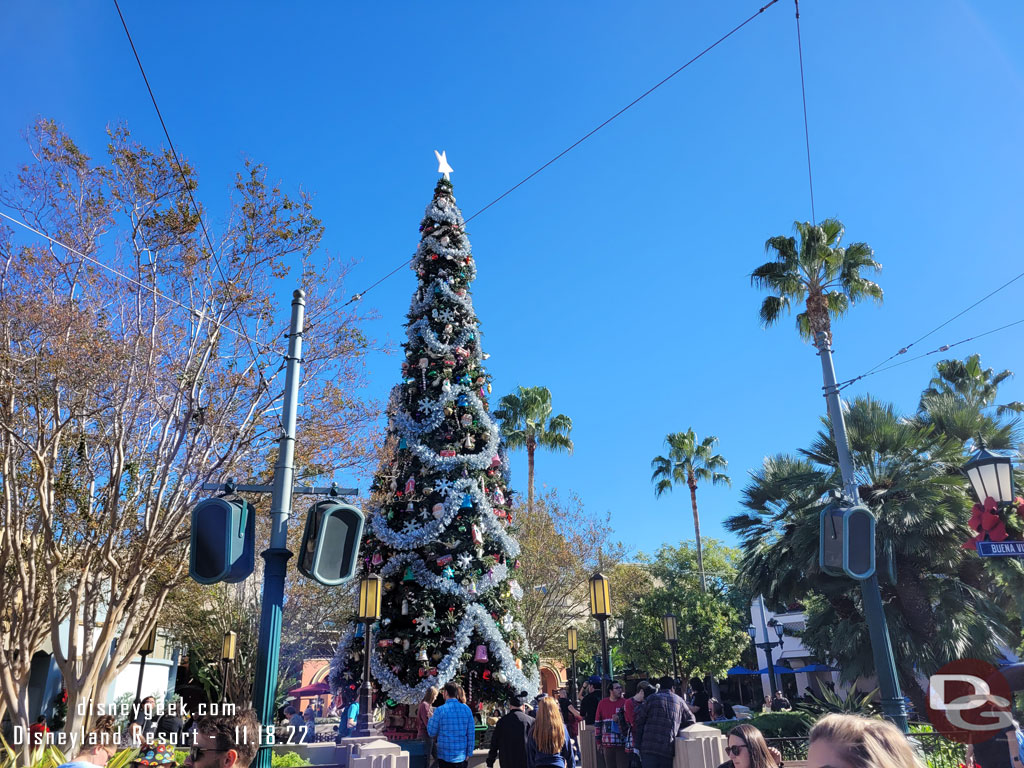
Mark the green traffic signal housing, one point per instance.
(330, 542)
(847, 541)
(223, 541)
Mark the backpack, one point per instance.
(620, 719)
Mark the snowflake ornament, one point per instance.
(425, 624)
(465, 560)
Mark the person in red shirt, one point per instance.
(37, 732)
(611, 746)
(643, 690)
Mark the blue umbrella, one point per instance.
(740, 671)
(778, 670)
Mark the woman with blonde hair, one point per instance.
(852, 741)
(548, 740)
(424, 712)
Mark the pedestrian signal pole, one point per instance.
(893, 705)
(277, 555)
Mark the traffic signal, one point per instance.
(330, 543)
(847, 541)
(223, 541)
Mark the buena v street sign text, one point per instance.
(1001, 548)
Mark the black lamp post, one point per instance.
(990, 475)
(148, 646)
(600, 609)
(369, 612)
(573, 643)
(668, 623)
(767, 646)
(227, 655)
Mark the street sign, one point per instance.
(330, 543)
(1001, 548)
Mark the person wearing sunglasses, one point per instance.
(748, 749)
(226, 741)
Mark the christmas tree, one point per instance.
(439, 506)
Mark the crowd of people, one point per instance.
(637, 731)
(640, 731)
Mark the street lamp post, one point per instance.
(148, 646)
(227, 655)
(600, 609)
(767, 645)
(668, 623)
(369, 612)
(573, 643)
(990, 475)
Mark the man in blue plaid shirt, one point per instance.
(453, 729)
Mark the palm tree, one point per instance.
(818, 272)
(960, 401)
(688, 463)
(526, 422)
(938, 603)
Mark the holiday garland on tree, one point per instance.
(439, 511)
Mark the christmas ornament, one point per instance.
(438, 510)
(405, 607)
(409, 576)
(481, 653)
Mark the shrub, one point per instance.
(773, 724)
(288, 760)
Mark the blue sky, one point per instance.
(619, 276)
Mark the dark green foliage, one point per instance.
(853, 703)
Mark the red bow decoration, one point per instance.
(987, 523)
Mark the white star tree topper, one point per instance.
(442, 165)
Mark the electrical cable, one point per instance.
(962, 312)
(803, 94)
(575, 144)
(188, 190)
(945, 347)
(122, 275)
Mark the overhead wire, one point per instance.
(944, 348)
(803, 95)
(123, 276)
(567, 150)
(904, 350)
(199, 214)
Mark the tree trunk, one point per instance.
(696, 530)
(531, 448)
